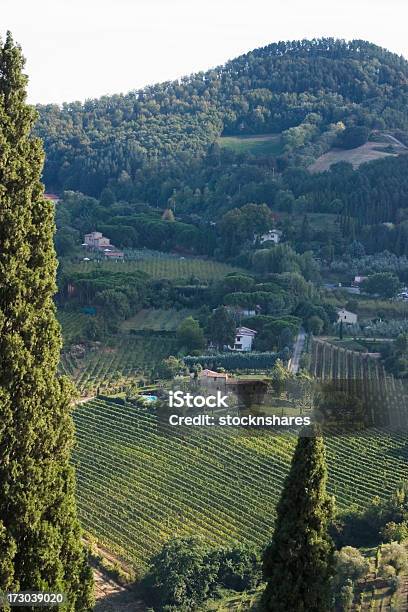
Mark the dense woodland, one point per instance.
(304, 87)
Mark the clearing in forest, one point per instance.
(368, 152)
(263, 144)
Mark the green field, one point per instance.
(72, 324)
(156, 320)
(124, 359)
(264, 144)
(161, 267)
(139, 485)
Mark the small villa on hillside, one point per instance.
(273, 235)
(213, 380)
(244, 339)
(96, 241)
(347, 317)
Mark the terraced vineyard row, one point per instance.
(128, 357)
(162, 267)
(139, 484)
(386, 396)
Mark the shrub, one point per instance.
(187, 572)
(394, 555)
(239, 568)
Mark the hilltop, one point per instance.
(300, 90)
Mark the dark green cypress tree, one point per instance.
(40, 537)
(298, 564)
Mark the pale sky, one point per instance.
(79, 49)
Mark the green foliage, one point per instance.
(240, 568)
(353, 137)
(294, 87)
(282, 259)
(241, 225)
(187, 571)
(350, 564)
(279, 375)
(169, 367)
(234, 361)
(384, 284)
(315, 325)
(183, 575)
(160, 146)
(40, 537)
(190, 336)
(221, 328)
(395, 532)
(346, 596)
(301, 546)
(394, 555)
(273, 332)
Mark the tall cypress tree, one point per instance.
(298, 564)
(40, 538)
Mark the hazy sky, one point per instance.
(78, 49)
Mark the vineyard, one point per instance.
(72, 324)
(139, 484)
(156, 320)
(126, 358)
(160, 265)
(387, 396)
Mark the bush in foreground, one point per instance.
(187, 572)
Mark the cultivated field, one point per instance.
(156, 320)
(386, 396)
(161, 267)
(72, 324)
(264, 144)
(139, 485)
(126, 358)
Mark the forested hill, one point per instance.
(302, 89)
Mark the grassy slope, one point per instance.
(383, 145)
(139, 486)
(265, 144)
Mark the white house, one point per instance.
(348, 318)
(244, 338)
(360, 279)
(273, 235)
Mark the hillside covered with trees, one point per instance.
(162, 148)
(301, 88)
